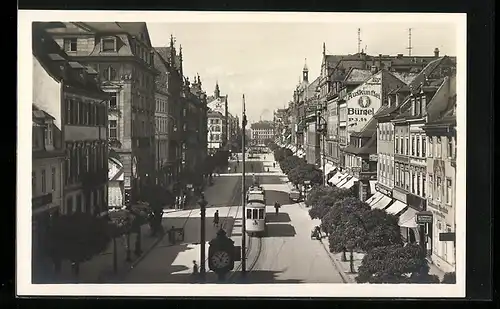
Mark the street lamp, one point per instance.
(203, 204)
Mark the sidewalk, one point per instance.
(344, 268)
(100, 268)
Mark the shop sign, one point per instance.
(399, 196)
(424, 217)
(446, 236)
(362, 103)
(383, 190)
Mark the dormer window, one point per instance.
(108, 44)
(70, 45)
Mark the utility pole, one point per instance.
(359, 40)
(409, 42)
(203, 204)
(243, 195)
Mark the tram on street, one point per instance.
(255, 214)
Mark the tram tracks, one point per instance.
(253, 259)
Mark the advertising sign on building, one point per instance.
(363, 102)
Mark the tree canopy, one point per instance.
(78, 236)
(302, 171)
(290, 162)
(321, 199)
(395, 264)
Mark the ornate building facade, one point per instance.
(122, 55)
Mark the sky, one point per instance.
(264, 61)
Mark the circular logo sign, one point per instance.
(134, 167)
(364, 101)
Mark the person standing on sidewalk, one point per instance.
(216, 218)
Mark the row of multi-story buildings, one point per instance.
(384, 126)
(112, 114)
(223, 127)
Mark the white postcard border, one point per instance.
(23, 236)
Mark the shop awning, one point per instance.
(343, 181)
(396, 208)
(374, 198)
(372, 186)
(382, 202)
(407, 219)
(336, 178)
(349, 183)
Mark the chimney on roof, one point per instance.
(436, 52)
(400, 56)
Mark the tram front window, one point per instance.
(249, 214)
(255, 214)
(261, 214)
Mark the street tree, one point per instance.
(381, 229)
(77, 237)
(305, 172)
(343, 225)
(157, 197)
(395, 264)
(322, 198)
(279, 154)
(289, 163)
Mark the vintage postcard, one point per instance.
(241, 154)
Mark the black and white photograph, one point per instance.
(241, 154)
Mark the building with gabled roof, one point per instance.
(70, 149)
(122, 54)
(441, 169)
(412, 182)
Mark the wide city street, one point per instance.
(287, 254)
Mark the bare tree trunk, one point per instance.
(343, 258)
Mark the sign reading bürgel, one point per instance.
(362, 103)
(424, 217)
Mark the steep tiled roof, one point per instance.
(405, 77)
(56, 62)
(356, 75)
(133, 28)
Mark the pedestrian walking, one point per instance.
(274, 165)
(277, 207)
(216, 218)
